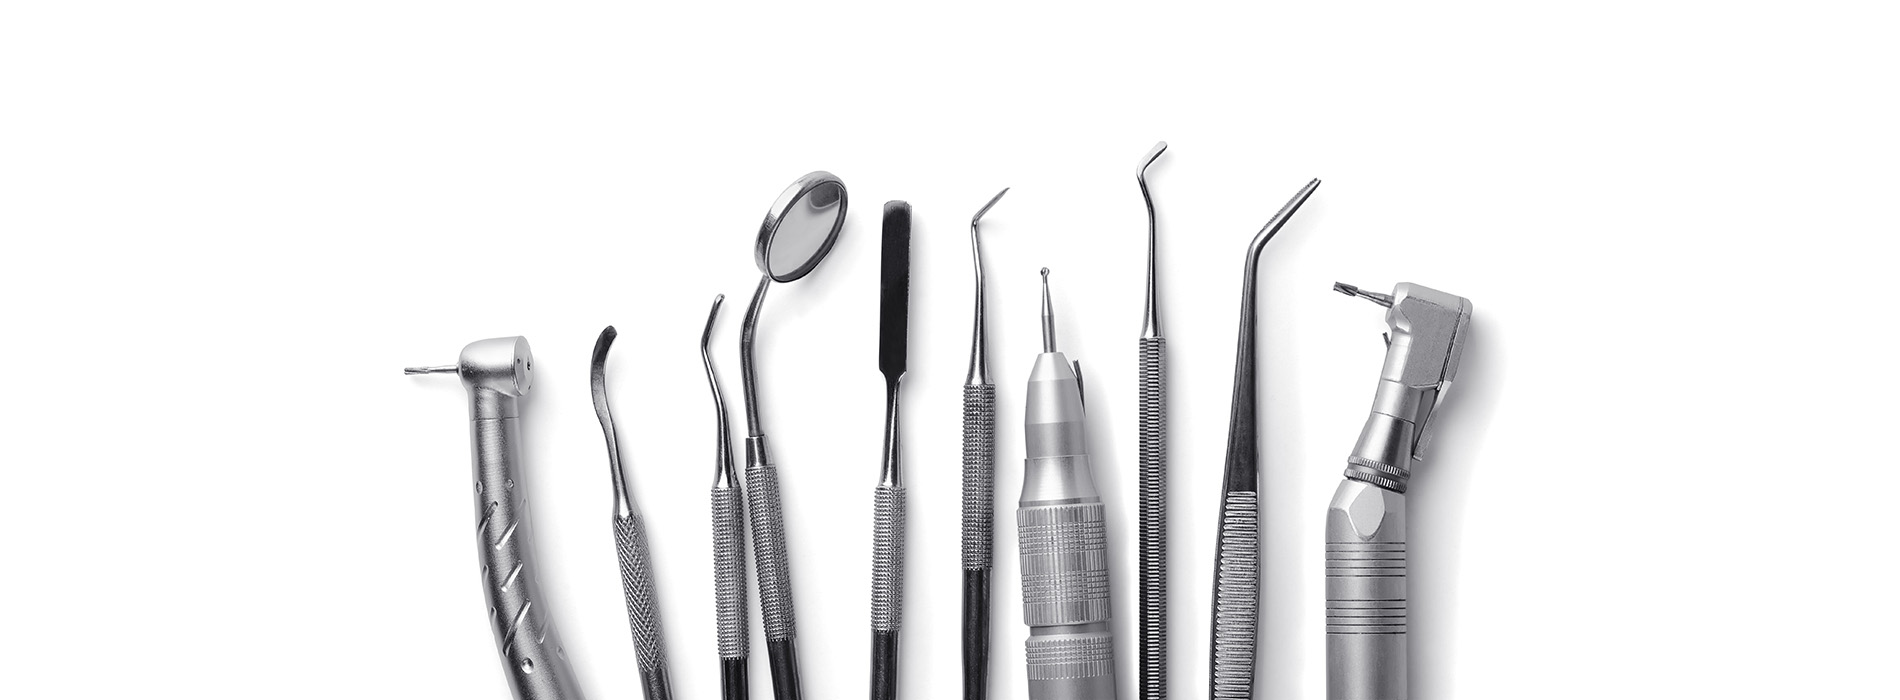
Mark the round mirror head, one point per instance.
(801, 226)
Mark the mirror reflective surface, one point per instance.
(802, 226)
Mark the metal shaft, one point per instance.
(768, 524)
(728, 519)
(1062, 538)
(630, 545)
(1153, 449)
(979, 488)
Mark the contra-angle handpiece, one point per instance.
(1237, 562)
(979, 489)
(1062, 536)
(497, 372)
(1153, 444)
(1365, 525)
(728, 517)
(630, 544)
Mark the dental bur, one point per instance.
(1062, 536)
(1365, 525)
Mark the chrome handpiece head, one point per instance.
(1423, 347)
(505, 365)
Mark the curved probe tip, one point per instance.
(986, 207)
(1147, 160)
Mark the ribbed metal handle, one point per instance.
(729, 579)
(768, 547)
(979, 475)
(1153, 544)
(643, 610)
(1064, 556)
(1236, 596)
(887, 561)
(1366, 596)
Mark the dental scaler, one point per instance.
(1062, 536)
(496, 372)
(1365, 525)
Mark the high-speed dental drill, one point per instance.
(1365, 524)
(630, 543)
(979, 488)
(496, 372)
(1062, 535)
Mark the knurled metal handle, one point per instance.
(1153, 543)
(979, 475)
(1365, 620)
(1064, 557)
(729, 580)
(769, 551)
(1236, 596)
(643, 609)
(887, 560)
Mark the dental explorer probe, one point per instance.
(1153, 543)
(1365, 524)
(979, 489)
(496, 372)
(887, 539)
(630, 544)
(1237, 564)
(728, 517)
(1062, 536)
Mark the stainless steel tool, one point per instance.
(1237, 564)
(1365, 524)
(798, 231)
(496, 372)
(1062, 536)
(887, 540)
(979, 488)
(728, 517)
(1153, 444)
(630, 544)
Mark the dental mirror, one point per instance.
(798, 232)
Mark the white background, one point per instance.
(228, 225)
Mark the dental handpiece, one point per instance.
(1153, 444)
(496, 372)
(1062, 536)
(630, 543)
(1365, 524)
(728, 517)
(1236, 623)
(979, 489)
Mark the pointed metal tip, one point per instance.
(444, 369)
(1147, 160)
(1352, 291)
(986, 207)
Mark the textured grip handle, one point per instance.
(643, 609)
(1366, 594)
(1153, 544)
(1064, 557)
(768, 547)
(1236, 596)
(887, 561)
(729, 581)
(979, 475)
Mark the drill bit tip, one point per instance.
(444, 369)
(1048, 316)
(1045, 276)
(1352, 291)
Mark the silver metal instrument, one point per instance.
(979, 488)
(1237, 563)
(1062, 536)
(728, 517)
(496, 372)
(1365, 524)
(630, 544)
(1153, 444)
(887, 540)
(798, 231)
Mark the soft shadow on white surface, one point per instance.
(1436, 506)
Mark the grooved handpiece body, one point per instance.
(531, 652)
(1063, 541)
